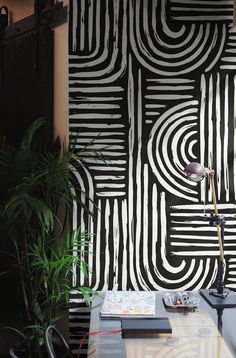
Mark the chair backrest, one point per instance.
(53, 331)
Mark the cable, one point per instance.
(115, 331)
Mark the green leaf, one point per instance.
(17, 331)
(37, 310)
(27, 140)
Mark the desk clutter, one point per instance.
(137, 311)
(191, 333)
(183, 300)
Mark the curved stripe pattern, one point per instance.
(109, 59)
(154, 48)
(175, 127)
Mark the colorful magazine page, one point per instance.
(128, 303)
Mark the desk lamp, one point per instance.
(219, 297)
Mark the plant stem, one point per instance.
(22, 281)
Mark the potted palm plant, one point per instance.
(35, 184)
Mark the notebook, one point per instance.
(128, 304)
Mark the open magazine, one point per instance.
(128, 304)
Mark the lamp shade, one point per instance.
(195, 171)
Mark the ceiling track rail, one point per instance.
(50, 16)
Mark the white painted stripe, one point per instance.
(108, 185)
(107, 168)
(98, 248)
(152, 113)
(74, 227)
(168, 96)
(97, 99)
(199, 214)
(101, 89)
(112, 154)
(109, 177)
(146, 235)
(230, 50)
(169, 88)
(74, 25)
(116, 242)
(94, 116)
(190, 149)
(109, 161)
(199, 222)
(190, 245)
(94, 106)
(125, 248)
(228, 67)
(193, 237)
(201, 206)
(131, 137)
(226, 139)
(166, 28)
(155, 222)
(218, 138)
(229, 59)
(170, 80)
(107, 252)
(199, 253)
(95, 125)
(111, 193)
(202, 130)
(221, 48)
(82, 25)
(163, 223)
(210, 132)
(139, 188)
(90, 23)
(201, 228)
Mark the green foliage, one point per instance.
(34, 185)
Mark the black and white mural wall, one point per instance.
(152, 87)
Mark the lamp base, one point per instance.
(225, 300)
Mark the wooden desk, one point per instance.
(187, 338)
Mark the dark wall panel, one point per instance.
(26, 83)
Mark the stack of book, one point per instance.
(137, 312)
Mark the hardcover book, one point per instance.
(128, 304)
(137, 328)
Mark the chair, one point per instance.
(60, 350)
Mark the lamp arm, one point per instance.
(211, 176)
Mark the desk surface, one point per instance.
(185, 341)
